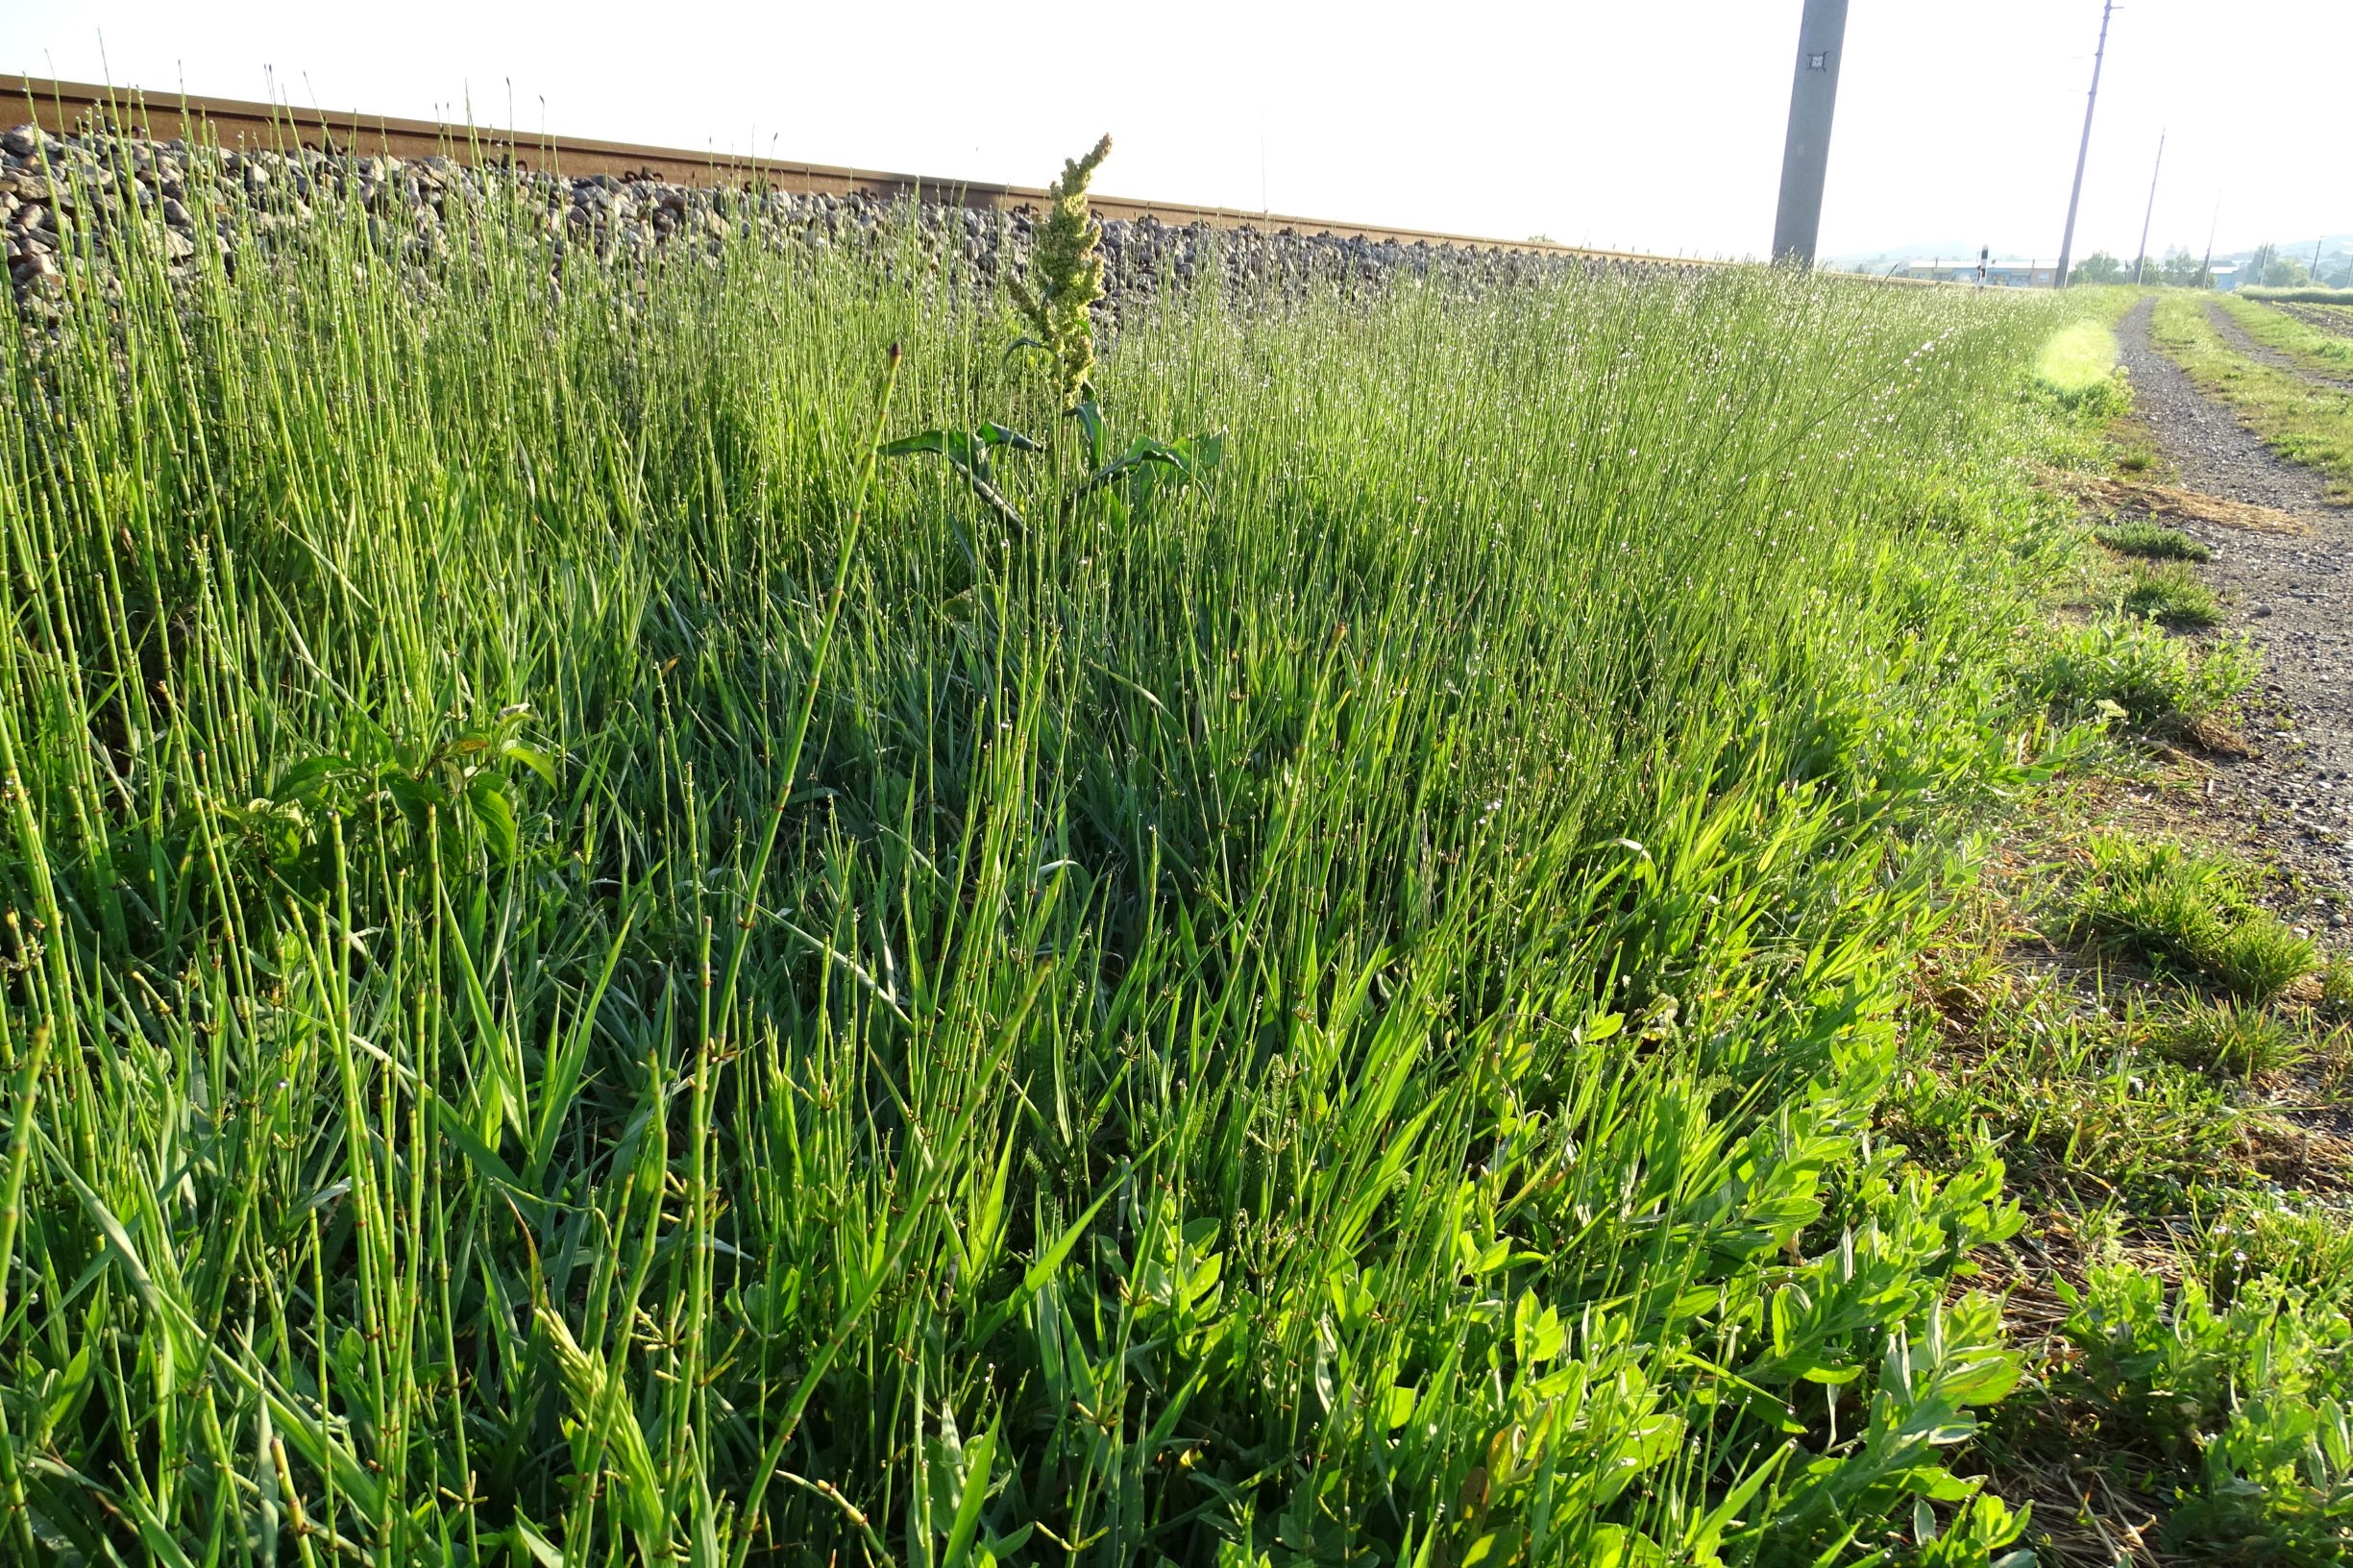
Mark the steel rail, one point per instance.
(66, 107)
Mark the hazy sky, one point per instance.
(1636, 124)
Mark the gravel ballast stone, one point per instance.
(414, 204)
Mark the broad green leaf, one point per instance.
(304, 780)
(1090, 420)
(993, 435)
(979, 1457)
(940, 441)
(498, 818)
(536, 760)
(541, 1550)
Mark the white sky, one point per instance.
(1635, 124)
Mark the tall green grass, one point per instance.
(585, 984)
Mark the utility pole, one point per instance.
(2141, 266)
(1805, 157)
(2205, 268)
(2083, 154)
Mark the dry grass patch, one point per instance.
(2119, 494)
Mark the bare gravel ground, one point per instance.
(2292, 594)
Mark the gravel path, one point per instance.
(2237, 337)
(2291, 594)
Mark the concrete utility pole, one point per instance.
(1805, 157)
(2083, 154)
(2141, 266)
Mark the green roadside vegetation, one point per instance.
(1395, 963)
(2119, 1008)
(2334, 297)
(2151, 541)
(2078, 364)
(2302, 421)
(2169, 592)
(2157, 1055)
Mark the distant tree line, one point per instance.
(2270, 268)
(2177, 270)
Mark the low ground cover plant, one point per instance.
(2247, 1393)
(2129, 667)
(2232, 1037)
(2193, 911)
(2090, 1111)
(594, 972)
(2171, 593)
(2299, 296)
(2183, 1273)
(2152, 540)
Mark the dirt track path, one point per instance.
(2237, 338)
(2292, 594)
(2328, 318)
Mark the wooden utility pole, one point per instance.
(1805, 157)
(2141, 266)
(2083, 154)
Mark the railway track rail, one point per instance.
(65, 107)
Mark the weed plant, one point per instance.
(2337, 985)
(2244, 1393)
(2301, 1246)
(2193, 912)
(2086, 1111)
(2246, 1042)
(2169, 593)
(592, 976)
(2151, 540)
(2299, 296)
(2129, 668)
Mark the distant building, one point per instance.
(2228, 276)
(1998, 274)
